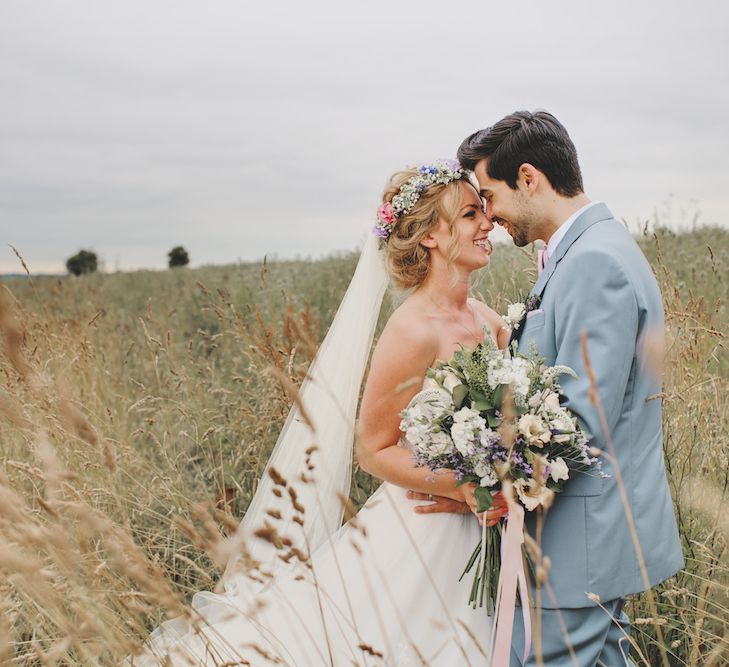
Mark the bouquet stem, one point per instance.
(487, 558)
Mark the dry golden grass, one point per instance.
(137, 412)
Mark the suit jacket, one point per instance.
(599, 281)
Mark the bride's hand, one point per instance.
(493, 515)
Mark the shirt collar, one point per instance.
(564, 228)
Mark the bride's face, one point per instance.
(472, 228)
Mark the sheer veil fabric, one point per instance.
(383, 589)
(329, 396)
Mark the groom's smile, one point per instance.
(504, 205)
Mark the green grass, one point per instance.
(127, 400)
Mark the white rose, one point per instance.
(533, 494)
(514, 314)
(485, 436)
(551, 402)
(467, 427)
(558, 469)
(466, 414)
(534, 430)
(438, 406)
(536, 400)
(439, 443)
(486, 473)
(429, 405)
(520, 376)
(562, 422)
(412, 413)
(498, 373)
(450, 380)
(462, 437)
(416, 434)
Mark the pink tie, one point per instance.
(542, 259)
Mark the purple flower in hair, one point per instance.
(381, 232)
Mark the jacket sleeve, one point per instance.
(594, 295)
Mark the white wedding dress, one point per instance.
(386, 593)
(383, 589)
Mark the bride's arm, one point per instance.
(404, 352)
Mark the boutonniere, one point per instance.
(516, 312)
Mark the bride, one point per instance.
(383, 589)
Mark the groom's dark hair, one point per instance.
(537, 138)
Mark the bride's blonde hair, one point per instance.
(406, 260)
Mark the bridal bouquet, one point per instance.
(458, 423)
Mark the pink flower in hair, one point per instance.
(386, 214)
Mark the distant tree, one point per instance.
(178, 257)
(84, 261)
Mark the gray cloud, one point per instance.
(241, 131)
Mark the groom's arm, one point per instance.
(437, 504)
(442, 505)
(595, 295)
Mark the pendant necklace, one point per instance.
(460, 324)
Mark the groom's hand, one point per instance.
(438, 504)
(498, 510)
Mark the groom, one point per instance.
(593, 278)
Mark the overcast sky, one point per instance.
(240, 129)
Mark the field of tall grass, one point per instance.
(137, 411)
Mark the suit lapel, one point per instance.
(593, 215)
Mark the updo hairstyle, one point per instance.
(406, 260)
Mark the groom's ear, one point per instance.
(529, 177)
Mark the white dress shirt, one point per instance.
(560, 232)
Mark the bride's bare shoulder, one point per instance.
(410, 326)
(484, 310)
(407, 346)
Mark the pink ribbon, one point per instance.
(511, 575)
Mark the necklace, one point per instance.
(460, 324)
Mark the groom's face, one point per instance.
(506, 207)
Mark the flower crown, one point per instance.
(441, 171)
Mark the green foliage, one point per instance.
(83, 262)
(177, 257)
(157, 392)
(459, 394)
(483, 498)
(476, 370)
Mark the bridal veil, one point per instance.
(329, 396)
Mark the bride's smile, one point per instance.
(484, 244)
(463, 245)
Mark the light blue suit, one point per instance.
(599, 281)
